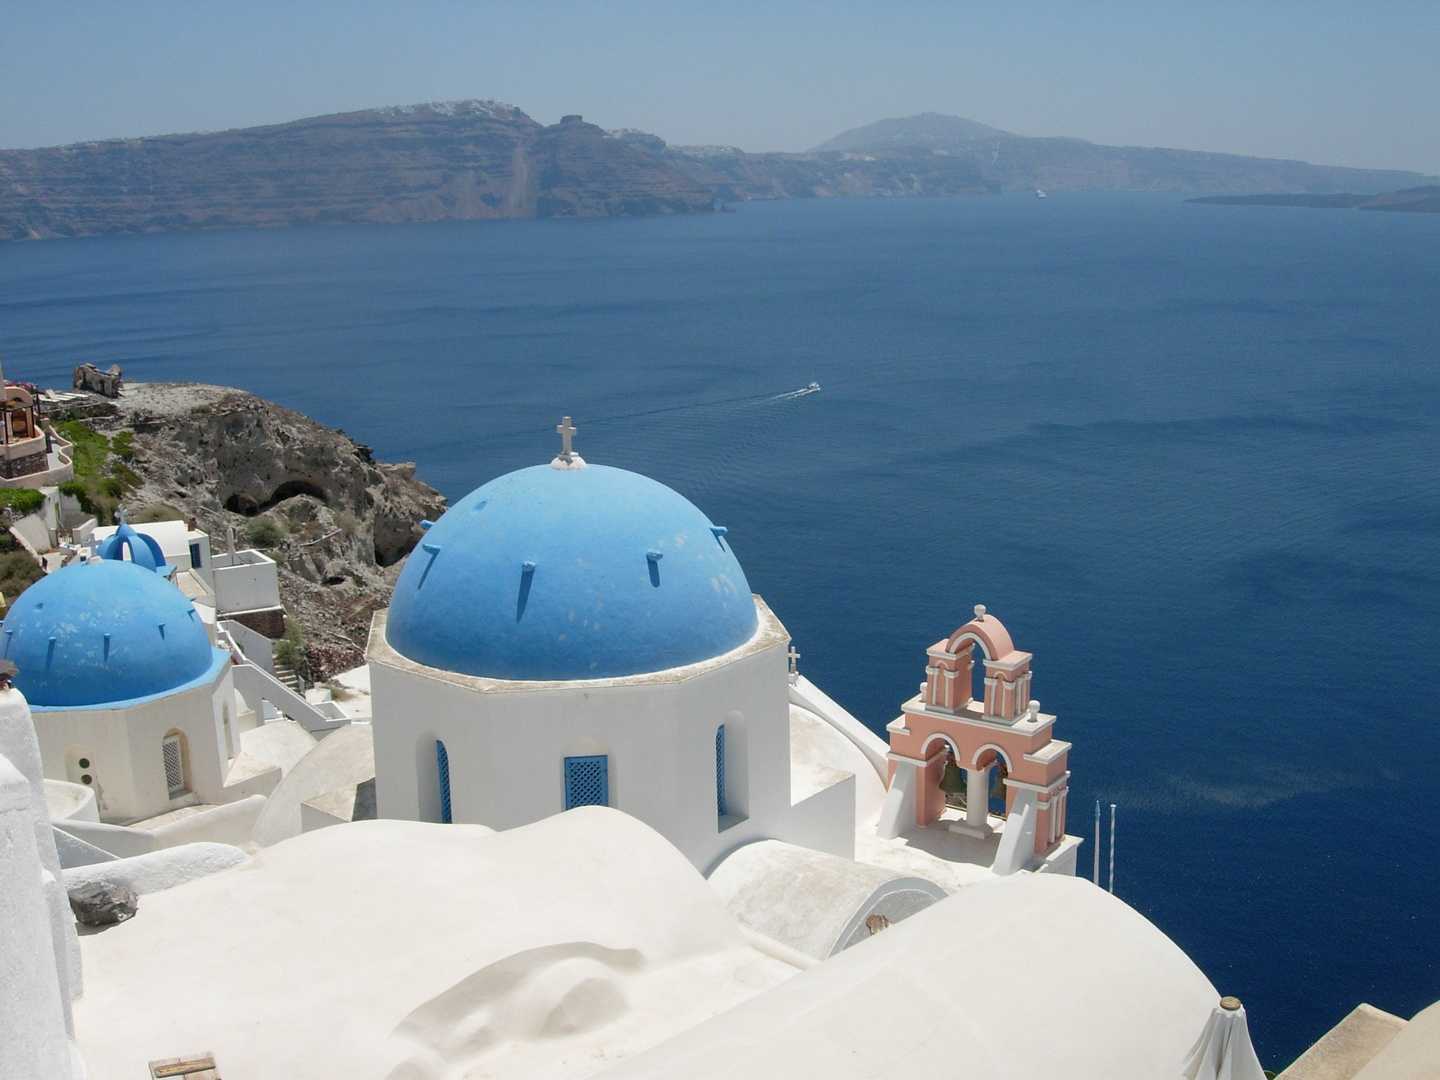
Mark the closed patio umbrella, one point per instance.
(1224, 1051)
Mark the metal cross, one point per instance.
(566, 430)
(794, 665)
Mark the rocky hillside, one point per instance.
(458, 160)
(338, 523)
(1421, 200)
(932, 154)
(485, 159)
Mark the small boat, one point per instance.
(813, 387)
(1039, 194)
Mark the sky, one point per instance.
(1332, 83)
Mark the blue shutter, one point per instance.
(442, 759)
(720, 770)
(587, 781)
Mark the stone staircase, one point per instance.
(289, 677)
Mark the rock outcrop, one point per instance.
(338, 523)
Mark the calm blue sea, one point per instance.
(1189, 454)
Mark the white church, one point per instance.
(615, 833)
(573, 635)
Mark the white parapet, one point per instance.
(33, 1039)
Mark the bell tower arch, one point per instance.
(1001, 741)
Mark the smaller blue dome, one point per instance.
(104, 633)
(144, 551)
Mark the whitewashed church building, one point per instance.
(573, 634)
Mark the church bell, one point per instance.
(953, 782)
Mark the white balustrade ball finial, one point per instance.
(979, 612)
(1034, 708)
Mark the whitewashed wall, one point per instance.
(123, 747)
(507, 743)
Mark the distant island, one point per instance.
(1418, 200)
(486, 159)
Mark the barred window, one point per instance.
(587, 781)
(720, 770)
(442, 761)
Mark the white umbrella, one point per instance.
(1223, 1051)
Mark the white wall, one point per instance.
(30, 888)
(123, 747)
(33, 1040)
(174, 538)
(507, 743)
(246, 581)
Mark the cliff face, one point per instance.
(339, 524)
(485, 159)
(995, 163)
(459, 160)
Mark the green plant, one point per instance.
(127, 477)
(80, 492)
(22, 500)
(265, 532)
(347, 522)
(99, 484)
(290, 649)
(91, 449)
(18, 571)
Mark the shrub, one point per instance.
(127, 477)
(290, 649)
(161, 511)
(22, 500)
(91, 448)
(265, 533)
(18, 571)
(123, 445)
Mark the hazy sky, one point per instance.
(1345, 84)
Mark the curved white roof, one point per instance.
(1030, 976)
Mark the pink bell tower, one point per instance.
(1005, 731)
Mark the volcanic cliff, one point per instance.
(338, 523)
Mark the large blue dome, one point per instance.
(104, 633)
(589, 573)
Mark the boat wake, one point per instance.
(813, 388)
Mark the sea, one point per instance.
(1189, 454)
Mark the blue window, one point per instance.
(720, 770)
(442, 760)
(587, 781)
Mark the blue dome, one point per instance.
(584, 573)
(144, 550)
(104, 633)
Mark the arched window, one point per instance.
(442, 762)
(720, 771)
(587, 781)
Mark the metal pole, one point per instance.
(1097, 841)
(1112, 847)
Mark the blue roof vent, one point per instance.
(144, 551)
(590, 600)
